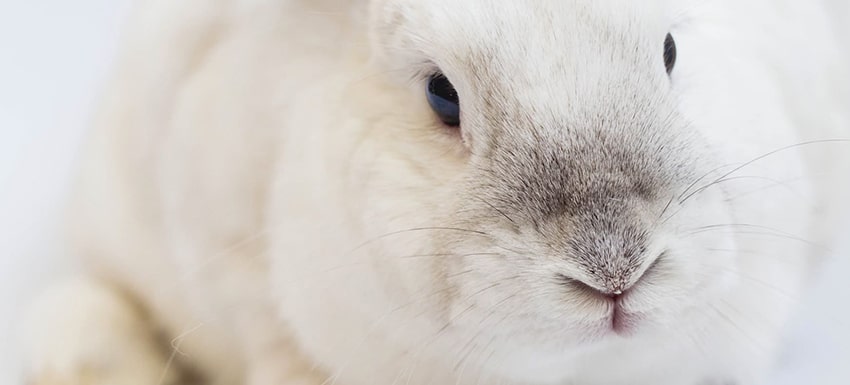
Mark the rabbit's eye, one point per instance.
(444, 100)
(669, 53)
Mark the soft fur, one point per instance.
(267, 189)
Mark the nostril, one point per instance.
(575, 284)
(612, 285)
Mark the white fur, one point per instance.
(255, 161)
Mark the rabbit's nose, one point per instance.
(611, 286)
(614, 291)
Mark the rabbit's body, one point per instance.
(273, 192)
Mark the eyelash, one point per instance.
(421, 73)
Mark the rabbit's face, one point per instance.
(568, 208)
(556, 200)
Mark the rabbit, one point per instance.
(333, 192)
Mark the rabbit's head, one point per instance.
(509, 182)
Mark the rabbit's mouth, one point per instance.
(621, 319)
(623, 323)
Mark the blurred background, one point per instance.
(54, 56)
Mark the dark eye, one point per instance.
(669, 53)
(444, 100)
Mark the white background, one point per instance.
(53, 57)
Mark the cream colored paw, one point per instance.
(86, 333)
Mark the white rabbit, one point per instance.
(451, 192)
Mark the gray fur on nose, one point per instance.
(594, 199)
(610, 251)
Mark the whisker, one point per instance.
(449, 255)
(735, 225)
(337, 268)
(226, 251)
(694, 183)
(484, 363)
(498, 211)
(762, 349)
(736, 169)
(666, 207)
(481, 323)
(460, 367)
(774, 183)
(789, 237)
(753, 254)
(796, 299)
(762, 321)
(440, 332)
(418, 229)
(784, 293)
(175, 350)
(514, 251)
(374, 327)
